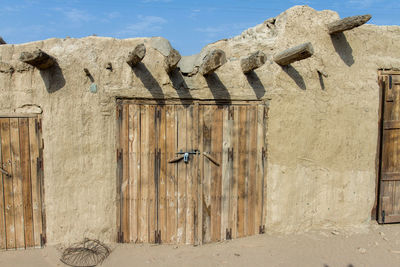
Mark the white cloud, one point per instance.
(77, 16)
(364, 3)
(145, 25)
(227, 29)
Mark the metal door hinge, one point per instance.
(120, 237)
(228, 233)
(39, 162)
(230, 113)
(38, 126)
(263, 153)
(262, 229)
(157, 237)
(119, 154)
(119, 113)
(383, 216)
(42, 240)
(390, 81)
(230, 154)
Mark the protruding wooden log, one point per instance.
(136, 55)
(347, 23)
(2, 41)
(294, 54)
(212, 61)
(38, 59)
(253, 62)
(172, 60)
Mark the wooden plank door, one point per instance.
(158, 196)
(21, 187)
(389, 195)
(218, 193)
(232, 171)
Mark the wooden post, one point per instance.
(212, 61)
(2, 41)
(293, 54)
(172, 60)
(136, 55)
(38, 59)
(253, 62)
(347, 23)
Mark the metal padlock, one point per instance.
(186, 157)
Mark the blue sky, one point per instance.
(189, 25)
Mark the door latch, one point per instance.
(5, 172)
(187, 154)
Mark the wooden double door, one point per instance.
(190, 174)
(22, 220)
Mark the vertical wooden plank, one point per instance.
(226, 167)
(125, 174)
(162, 220)
(190, 166)
(152, 172)
(182, 175)
(17, 184)
(27, 183)
(144, 174)
(134, 165)
(216, 149)
(36, 181)
(261, 183)
(206, 191)
(242, 172)
(200, 175)
(2, 208)
(8, 183)
(233, 203)
(195, 171)
(252, 166)
(171, 180)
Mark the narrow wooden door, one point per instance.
(389, 195)
(190, 174)
(232, 141)
(158, 196)
(21, 203)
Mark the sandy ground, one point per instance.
(373, 246)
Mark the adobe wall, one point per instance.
(322, 131)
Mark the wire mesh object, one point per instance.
(85, 254)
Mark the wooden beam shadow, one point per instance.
(178, 82)
(256, 84)
(218, 89)
(149, 82)
(295, 75)
(53, 78)
(343, 48)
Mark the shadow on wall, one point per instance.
(178, 82)
(343, 48)
(53, 78)
(256, 84)
(149, 82)
(295, 75)
(218, 89)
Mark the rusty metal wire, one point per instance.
(85, 254)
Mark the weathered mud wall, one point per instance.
(322, 131)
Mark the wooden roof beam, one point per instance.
(38, 59)
(347, 23)
(172, 60)
(294, 54)
(212, 61)
(253, 61)
(136, 55)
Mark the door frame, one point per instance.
(376, 209)
(120, 102)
